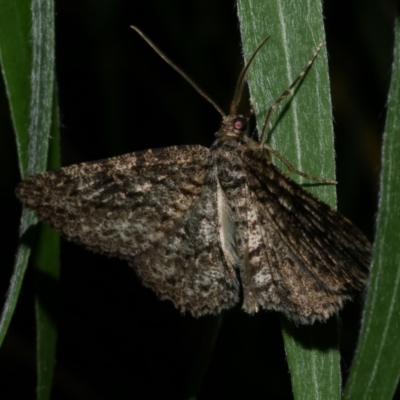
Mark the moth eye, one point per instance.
(240, 124)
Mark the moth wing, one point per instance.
(119, 206)
(193, 265)
(303, 258)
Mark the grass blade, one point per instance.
(29, 78)
(14, 34)
(376, 368)
(302, 133)
(15, 20)
(47, 270)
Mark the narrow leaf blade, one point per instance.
(376, 367)
(302, 132)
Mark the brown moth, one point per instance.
(196, 224)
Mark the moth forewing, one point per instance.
(193, 222)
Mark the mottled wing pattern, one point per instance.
(187, 218)
(302, 257)
(194, 264)
(160, 209)
(120, 206)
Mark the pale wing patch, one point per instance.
(187, 265)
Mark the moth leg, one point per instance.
(286, 92)
(266, 149)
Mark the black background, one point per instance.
(116, 339)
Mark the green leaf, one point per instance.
(47, 270)
(29, 79)
(302, 132)
(376, 368)
(15, 20)
(14, 34)
(47, 273)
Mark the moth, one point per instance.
(202, 225)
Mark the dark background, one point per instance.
(116, 339)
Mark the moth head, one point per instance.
(233, 126)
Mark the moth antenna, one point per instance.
(183, 74)
(286, 92)
(242, 79)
